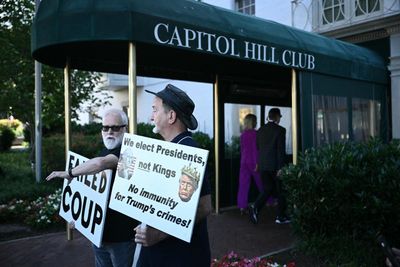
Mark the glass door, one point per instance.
(234, 115)
(234, 125)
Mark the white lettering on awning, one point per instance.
(223, 45)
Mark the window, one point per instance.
(365, 7)
(338, 109)
(234, 118)
(331, 119)
(329, 14)
(332, 11)
(246, 6)
(366, 118)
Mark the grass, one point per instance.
(17, 179)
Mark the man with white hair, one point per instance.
(118, 244)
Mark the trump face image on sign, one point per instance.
(188, 183)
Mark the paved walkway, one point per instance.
(228, 231)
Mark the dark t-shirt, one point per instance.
(118, 227)
(173, 251)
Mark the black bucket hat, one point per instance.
(180, 102)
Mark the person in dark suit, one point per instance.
(272, 152)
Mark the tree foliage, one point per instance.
(17, 76)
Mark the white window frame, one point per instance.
(343, 7)
(247, 8)
(366, 15)
(349, 11)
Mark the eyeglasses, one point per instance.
(114, 128)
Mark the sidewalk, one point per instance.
(228, 231)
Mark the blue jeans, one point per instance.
(118, 254)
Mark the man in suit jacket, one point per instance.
(272, 152)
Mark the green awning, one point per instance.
(186, 37)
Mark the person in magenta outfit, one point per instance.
(248, 162)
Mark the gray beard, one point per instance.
(112, 143)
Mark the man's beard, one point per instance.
(111, 143)
(155, 128)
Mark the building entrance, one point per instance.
(234, 128)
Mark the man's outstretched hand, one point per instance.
(59, 174)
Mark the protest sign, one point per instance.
(84, 200)
(159, 184)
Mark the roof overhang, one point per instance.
(187, 38)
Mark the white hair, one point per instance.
(119, 112)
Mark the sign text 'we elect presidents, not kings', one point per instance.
(159, 184)
(84, 200)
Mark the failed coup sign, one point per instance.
(159, 183)
(84, 200)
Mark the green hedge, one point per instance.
(53, 149)
(341, 196)
(18, 179)
(146, 129)
(15, 125)
(93, 128)
(7, 136)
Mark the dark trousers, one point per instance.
(272, 187)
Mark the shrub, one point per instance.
(205, 142)
(18, 180)
(146, 129)
(14, 124)
(11, 212)
(232, 259)
(53, 153)
(87, 129)
(232, 149)
(43, 212)
(40, 213)
(53, 149)
(87, 145)
(341, 196)
(27, 133)
(7, 136)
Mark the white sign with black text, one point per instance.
(84, 200)
(159, 184)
